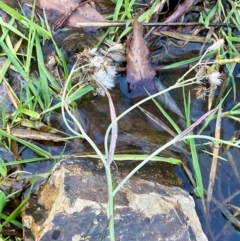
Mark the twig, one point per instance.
(174, 24)
(214, 159)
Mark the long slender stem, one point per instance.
(110, 206)
(106, 162)
(176, 139)
(164, 147)
(177, 85)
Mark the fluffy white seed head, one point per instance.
(215, 78)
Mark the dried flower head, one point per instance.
(97, 61)
(215, 78)
(97, 70)
(93, 52)
(216, 45)
(105, 76)
(201, 74)
(201, 92)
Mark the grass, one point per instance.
(41, 88)
(37, 91)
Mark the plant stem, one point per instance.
(179, 137)
(110, 208)
(107, 163)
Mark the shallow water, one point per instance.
(138, 135)
(133, 139)
(214, 223)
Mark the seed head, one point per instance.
(215, 78)
(216, 45)
(201, 92)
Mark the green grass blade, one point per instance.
(31, 113)
(35, 148)
(76, 95)
(14, 222)
(3, 200)
(7, 63)
(166, 115)
(17, 211)
(15, 62)
(117, 9)
(3, 168)
(127, 9)
(210, 15)
(189, 61)
(197, 171)
(187, 110)
(9, 26)
(51, 79)
(43, 78)
(33, 91)
(59, 52)
(24, 20)
(80, 92)
(31, 38)
(4, 114)
(143, 17)
(136, 157)
(25, 161)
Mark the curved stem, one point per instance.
(184, 83)
(173, 141)
(110, 207)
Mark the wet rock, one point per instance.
(72, 206)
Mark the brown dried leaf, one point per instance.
(35, 135)
(55, 10)
(11, 94)
(139, 71)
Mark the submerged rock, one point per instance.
(72, 206)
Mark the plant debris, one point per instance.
(68, 13)
(139, 71)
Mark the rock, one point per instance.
(72, 207)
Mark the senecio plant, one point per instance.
(97, 71)
(100, 74)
